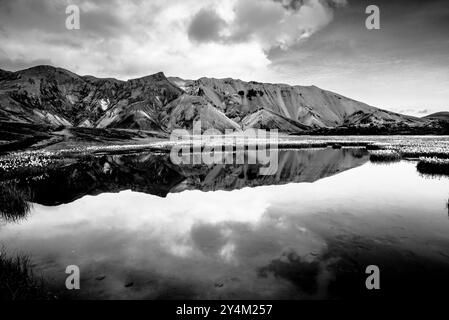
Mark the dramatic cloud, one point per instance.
(188, 38)
(269, 23)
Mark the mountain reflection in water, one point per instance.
(155, 174)
(169, 239)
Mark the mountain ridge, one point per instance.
(54, 96)
(442, 115)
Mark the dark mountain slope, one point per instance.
(443, 115)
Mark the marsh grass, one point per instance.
(426, 153)
(17, 281)
(434, 166)
(14, 203)
(384, 156)
(16, 164)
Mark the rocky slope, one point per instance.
(266, 119)
(48, 95)
(307, 106)
(182, 112)
(52, 96)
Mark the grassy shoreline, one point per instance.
(381, 148)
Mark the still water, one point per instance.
(139, 227)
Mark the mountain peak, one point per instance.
(159, 76)
(43, 68)
(46, 70)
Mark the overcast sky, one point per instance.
(403, 67)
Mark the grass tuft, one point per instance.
(384, 156)
(433, 166)
(17, 281)
(13, 202)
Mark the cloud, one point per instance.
(270, 23)
(49, 16)
(414, 111)
(125, 39)
(206, 26)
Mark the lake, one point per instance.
(140, 227)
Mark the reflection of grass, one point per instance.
(433, 166)
(336, 146)
(17, 281)
(384, 156)
(13, 204)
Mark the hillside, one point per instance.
(45, 95)
(54, 96)
(443, 115)
(309, 106)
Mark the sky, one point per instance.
(403, 66)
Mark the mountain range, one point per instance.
(47, 95)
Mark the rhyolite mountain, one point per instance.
(57, 97)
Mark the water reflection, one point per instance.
(155, 174)
(280, 240)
